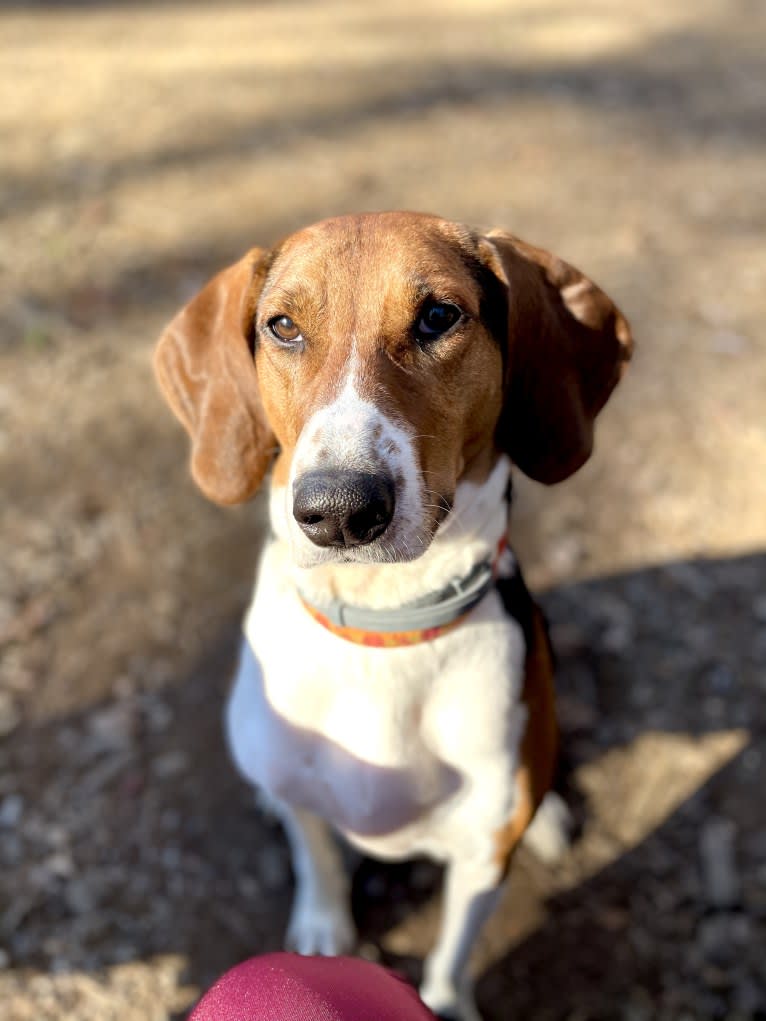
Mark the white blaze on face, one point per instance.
(353, 434)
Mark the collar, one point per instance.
(420, 621)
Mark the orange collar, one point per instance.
(470, 592)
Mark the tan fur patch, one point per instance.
(538, 749)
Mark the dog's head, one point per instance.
(384, 357)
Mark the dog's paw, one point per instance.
(320, 928)
(449, 1003)
(550, 833)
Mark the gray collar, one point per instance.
(435, 610)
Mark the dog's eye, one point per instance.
(436, 318)
(284, 329)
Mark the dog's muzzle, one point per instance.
(343, 508)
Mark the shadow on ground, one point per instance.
(134, 837)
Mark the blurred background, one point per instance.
(144, 146)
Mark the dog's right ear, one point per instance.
(205, 367)
(568, 345)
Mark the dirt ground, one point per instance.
(143, 147)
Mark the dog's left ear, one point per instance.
(204, 365)
(568, 345)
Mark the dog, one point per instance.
(395, 680)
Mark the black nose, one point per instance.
(343, 508)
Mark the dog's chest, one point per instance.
(377, 741)
(328, 741)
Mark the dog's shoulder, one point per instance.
(525, 611)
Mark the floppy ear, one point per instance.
(568, 345)
(204, 364)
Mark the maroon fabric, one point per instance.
(288, 987)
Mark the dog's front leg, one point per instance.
(472, 891)
(320, 920)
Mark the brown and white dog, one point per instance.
(394, 680)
